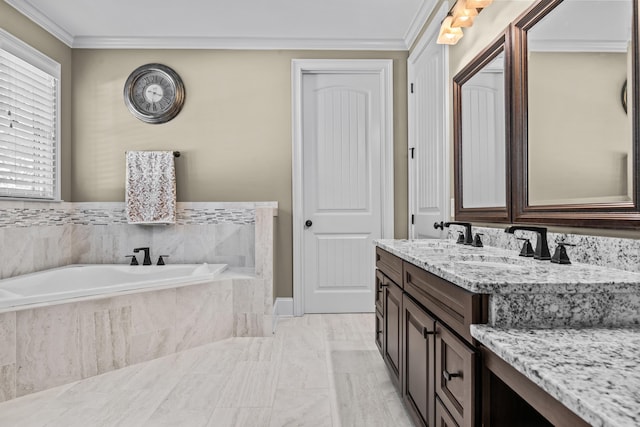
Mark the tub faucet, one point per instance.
(541, 251)
(147, 258)
(468, 235)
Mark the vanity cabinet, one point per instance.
(392, 330)
(443, 417)
(456, 376)
(419, 362)
(389, 311)
(427, 343)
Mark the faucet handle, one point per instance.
(134, 260)
(460, 240)
(477, 241)
(527, 249)
(560, 255)
(160, 260)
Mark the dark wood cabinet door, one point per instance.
(380, 291)
(443, 417)
(418, 363)
(379, 332)
(455, 376)
(392, 330)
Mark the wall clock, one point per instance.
(154, 93)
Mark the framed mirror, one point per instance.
(576, 151)
(481, 133)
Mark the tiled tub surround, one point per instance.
(594, 372)
(38, 236)
(52, 345)
(529, 293)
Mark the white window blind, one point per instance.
(28, 130)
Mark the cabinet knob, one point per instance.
(447, 375)
(379, 331)
(308, 223)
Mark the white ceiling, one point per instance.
(238, 24)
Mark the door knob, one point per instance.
(308, 223)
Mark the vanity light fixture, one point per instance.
(462, 14)
(449, 34)
(478, 4)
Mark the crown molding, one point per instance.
(239, 43)
(419, 19)
(31, 12)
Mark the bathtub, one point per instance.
(76, 281)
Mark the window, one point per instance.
(29, 122)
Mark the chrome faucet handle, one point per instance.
(160, 260)
(134, 260)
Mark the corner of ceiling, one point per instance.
(419, 20)
(31, 12)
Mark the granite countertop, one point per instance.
(498, 271)
(595, 372)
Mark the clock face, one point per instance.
(154, 93)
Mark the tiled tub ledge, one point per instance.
(51, 345)
(595, 372)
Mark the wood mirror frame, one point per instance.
(599, 215)
(486, 214)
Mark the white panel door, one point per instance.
(428, 140)
(341, 131)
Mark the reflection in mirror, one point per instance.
(483, 137)
(580, 147)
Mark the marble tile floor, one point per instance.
(317, 370)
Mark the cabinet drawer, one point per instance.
(418, 363)
(453, 305)
(443, 417)
(455, 376)
(379, 291)
(390, 265)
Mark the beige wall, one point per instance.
(15, 23)
(234, 130)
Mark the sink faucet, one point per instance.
(468, 238)
(541, 251)
(147, 258)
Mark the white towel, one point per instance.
(151, 187)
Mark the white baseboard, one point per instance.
(283, 307)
